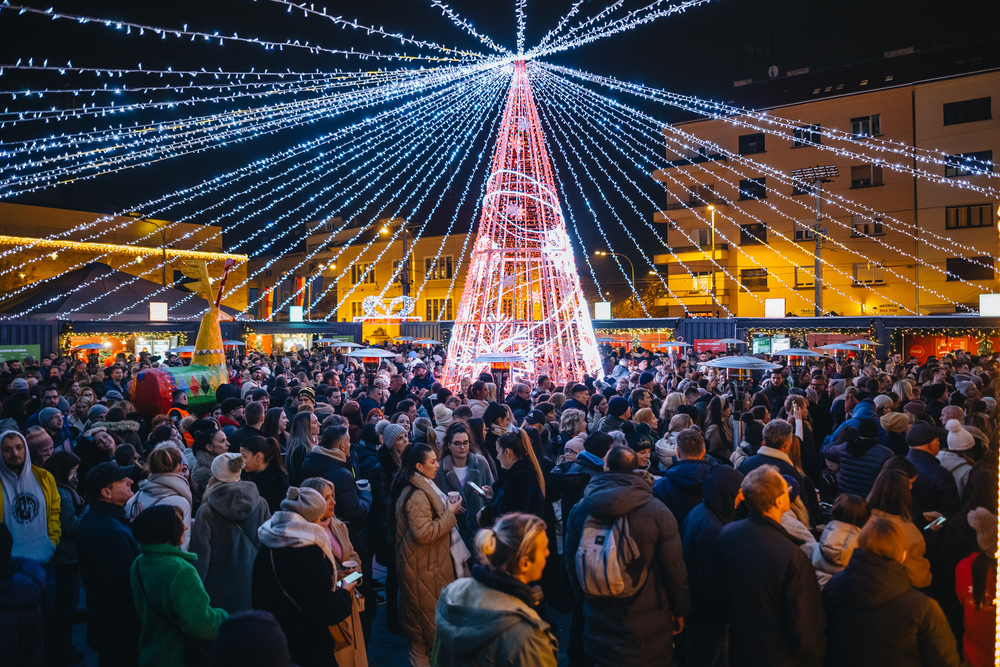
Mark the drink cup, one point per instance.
(363, 485)
(454, 498)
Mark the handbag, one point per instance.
(341, 633)
(197, 652)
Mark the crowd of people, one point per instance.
(840, 513)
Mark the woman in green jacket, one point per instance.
(168, 593)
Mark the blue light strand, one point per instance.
(694, 141)
(616, 129)
(216, 38)
(260, 164)
(363, 179)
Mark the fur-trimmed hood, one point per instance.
(124, 426)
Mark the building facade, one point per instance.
(333, 271)
(37, 243)
(887, 257)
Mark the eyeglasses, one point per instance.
(460, 443)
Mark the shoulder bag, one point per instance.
(341, 632)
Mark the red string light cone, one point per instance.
(522, 291)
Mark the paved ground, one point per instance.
(384, 649)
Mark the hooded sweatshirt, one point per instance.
(225, 538)
(163, 488)
(26, 507)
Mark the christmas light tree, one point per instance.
(522, 292)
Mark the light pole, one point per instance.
(715, 296)
(601, 253)
(163, 240)
(404, 279)
(817, 176)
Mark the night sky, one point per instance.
(700, 52)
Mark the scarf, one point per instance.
(24, 509)
(289, 529)
(332, 453)
(496, 430)
(459, 552)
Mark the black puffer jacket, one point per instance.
(861, 461)
(680, 488)
(875, 618)
(636, 630)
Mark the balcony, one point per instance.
(688, 254)
(693, 209)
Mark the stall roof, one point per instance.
(106, 290)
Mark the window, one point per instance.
(806, 135)
(753, 234)
(967, 111)
(805, 276)
(866, 175)
(397, 272)
(357, 309)
(434, 307)
(969, 268)
(752, 143)
(866, 225)
(804, 230)
(438, 268)
(701, 282)
(754, 280)
(753, 188)
(702, 237)
(362, 273)
(866, 126)
(868, 273)
(969, 164)
(960, 217)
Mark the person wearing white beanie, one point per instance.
(443, 418)
(224, 533)
(956, 459)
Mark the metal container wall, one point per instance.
(44, 333)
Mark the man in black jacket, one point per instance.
(254, 416)
(680, 487)
(106, 550)
(764, 585)
(519, 400)
(934, 490)
(398, 392)
(330, 459)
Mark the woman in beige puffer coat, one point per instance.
(425, 524)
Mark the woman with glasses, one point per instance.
(462, 470)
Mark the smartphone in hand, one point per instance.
(478, 489)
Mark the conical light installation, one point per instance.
(522, 291)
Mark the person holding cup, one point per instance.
(467, 473)
(430, 553)
(346, 560)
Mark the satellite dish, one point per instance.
(772, 71)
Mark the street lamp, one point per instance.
(163, 240)
(601, 253)
(715, 296)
